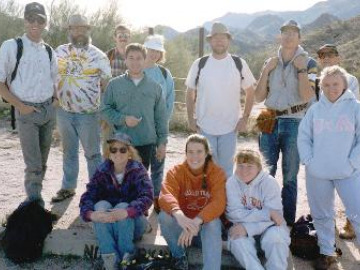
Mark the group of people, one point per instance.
(128, 91)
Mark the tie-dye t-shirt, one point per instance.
(80, 73)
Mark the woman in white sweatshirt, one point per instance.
(329, 147)
(254, 207)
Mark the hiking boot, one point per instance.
(347, 232)
(62, 194)
(156, 205)
(181, 263)
(324, 262)
(109, 261)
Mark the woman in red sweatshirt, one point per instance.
(192, 198)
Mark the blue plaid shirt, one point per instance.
(136, 189)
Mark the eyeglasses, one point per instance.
(323, 55)
(35, 18)
(122, 150)
(123, 35)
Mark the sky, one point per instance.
(183, 15)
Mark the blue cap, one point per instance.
(120, 137)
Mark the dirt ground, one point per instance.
(12, 193)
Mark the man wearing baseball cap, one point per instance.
(82, 69)
(286, 84)
(32, 94)
(328, 55)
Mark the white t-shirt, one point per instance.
(218, 93)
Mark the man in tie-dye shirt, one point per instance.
(82, 69)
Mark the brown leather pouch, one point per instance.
(266, 120)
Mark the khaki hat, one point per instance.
(78, 20)
(290, 24)
(328, 47)
(36, 9)
(155, 42)
(218, 28)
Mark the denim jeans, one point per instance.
(72, 128)
(210, 240)
(223, 150)
(118, 237)
(35, 133)
(321, 197)
(157, 172)
(145, 152)
(284, 139)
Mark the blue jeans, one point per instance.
(157, 172)
(223, 150)
(72, 128)
(35, 134)
(118, 237)
(284, 139)
(210, 240)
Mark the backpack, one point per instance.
(304, 240)
(203, 60)
(317, 88)
(25, 232)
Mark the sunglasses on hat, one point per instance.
(122, 150)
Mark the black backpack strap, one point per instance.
(49, 51)
(202, 63)
(19, 53)
(163, 71)
(238, 64)
(317, 88)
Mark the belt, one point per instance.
(292, 110)
(46, 102)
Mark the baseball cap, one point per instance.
(290, 24)
(120, 137)
(328, 47)
(36, 9)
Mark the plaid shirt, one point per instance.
(117, 62)
(136, 189)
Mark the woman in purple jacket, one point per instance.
(115, 201)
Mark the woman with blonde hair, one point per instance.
(118, 195)
(255, 209)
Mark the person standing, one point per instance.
(116, 55)
(328, 56)
(133, 104)
(286, 84)
(155, 55)
(213, 85)
(29, 86)
(329, 147)
(82, 67)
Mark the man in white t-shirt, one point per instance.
(213, 96)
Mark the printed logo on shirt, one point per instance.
(198, 199)
(251, 203)
(342, 124)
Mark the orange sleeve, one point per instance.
(217, 203)
(169, 194)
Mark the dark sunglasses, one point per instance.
(327, 54)
(123, 35)
(122, 150)
(34, 18)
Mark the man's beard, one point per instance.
(81, 41)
